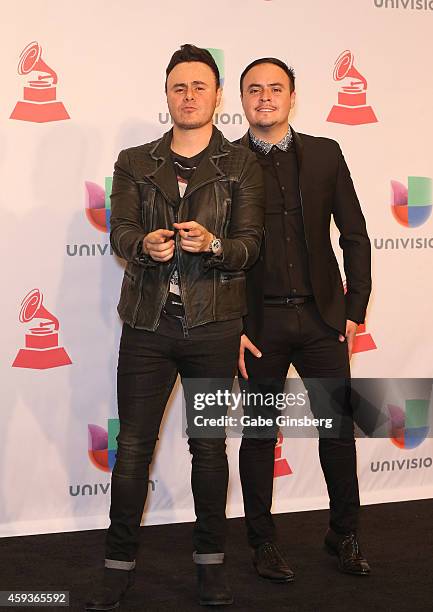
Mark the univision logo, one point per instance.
(409, 426)
(102, 445)
(412, 205)
(218, 55)
(218, 118)
(98, 204)
(97, 488)
(414, 5)
(98, 213)
(102, 448)
(397, 465)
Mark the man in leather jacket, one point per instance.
(187, 216)
(297, 310)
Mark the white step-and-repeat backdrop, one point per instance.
(83, 80)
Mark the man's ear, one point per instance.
(219, 96)
(292, 99)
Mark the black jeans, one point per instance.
(148, 366)
(298, 335)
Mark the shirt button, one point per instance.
(283, 188)
(288, 239)
(290, 265)
(293, 290)
(285, 212)
(277, 163)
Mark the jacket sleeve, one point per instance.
(241, 247)
(354, 242)
(126, 235)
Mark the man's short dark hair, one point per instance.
(271, 60)
(191, 53)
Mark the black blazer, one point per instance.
(326, 189)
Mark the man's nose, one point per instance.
(266, 95)
(189, 93)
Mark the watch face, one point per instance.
(215, 245)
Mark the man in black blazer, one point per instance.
(298, 312)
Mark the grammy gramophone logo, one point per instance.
(39, 103)
(352, 107)
(281, 465)
(42, 350)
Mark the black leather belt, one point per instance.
(287, 301)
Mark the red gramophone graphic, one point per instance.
(281, 465)
(363, 340)
(39, 102)
(42, 349)
(352, 108)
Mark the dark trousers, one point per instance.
(298, 335)
(147, 370)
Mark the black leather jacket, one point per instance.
(225, 195)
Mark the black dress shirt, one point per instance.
(286, 255)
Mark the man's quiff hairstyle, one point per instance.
(271, 60)
(191, 53)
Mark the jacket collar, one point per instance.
(297, 141)
(162, 173)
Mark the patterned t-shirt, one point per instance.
(184, 168)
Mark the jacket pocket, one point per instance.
(229, 277)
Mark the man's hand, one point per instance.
(246, 344)
(194, 238)
(351, 327)
(159, 244)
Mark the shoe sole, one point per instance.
(334, 553)
(277, 580)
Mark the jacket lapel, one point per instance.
(160, 169)
(304, 184)
(208, 170)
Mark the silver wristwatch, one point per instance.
(215, 246)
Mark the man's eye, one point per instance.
(254, 91)
(276, 90)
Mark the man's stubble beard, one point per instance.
(190, 126)
(193, 125)
(263, 126)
